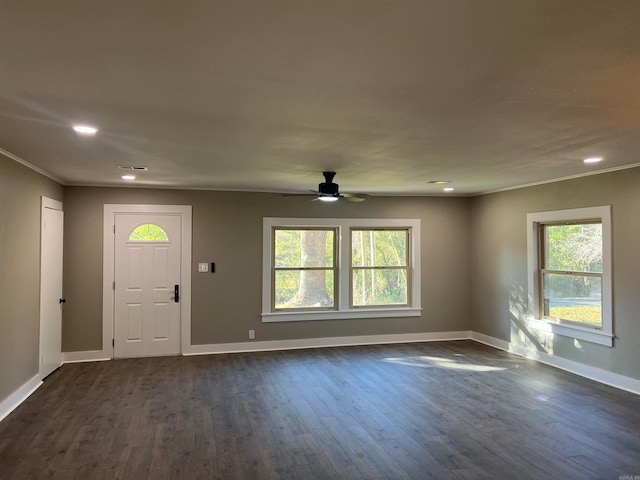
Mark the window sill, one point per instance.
(341, 314)
(573, 331)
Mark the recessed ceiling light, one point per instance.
(448, 189)
(85, 130)
(593, 160)
(128, 177)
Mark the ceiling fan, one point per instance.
(329, 191)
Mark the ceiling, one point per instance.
(264, 95)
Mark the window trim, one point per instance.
(602, 336)
(343, 258)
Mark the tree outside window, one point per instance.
(304, 268)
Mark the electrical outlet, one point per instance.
(203, 267)
(252, 334)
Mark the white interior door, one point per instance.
(147, 278)
(51, 236)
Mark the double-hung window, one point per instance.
(570, 273)
(321, 269)
(304, 268)
(380, 273)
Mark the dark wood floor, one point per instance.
(450, 410)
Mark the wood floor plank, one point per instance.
(446, 410)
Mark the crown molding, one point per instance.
(21, 161)
(559, 179)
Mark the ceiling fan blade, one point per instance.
(311, 193)
(355, 197)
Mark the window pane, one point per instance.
(303, 248)
(379, 248)
(575, 248)
(304, 289)
(573, 297)
(148, 233)
(380, 287)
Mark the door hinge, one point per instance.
(114, 285)
(114, 229)
(113, 342)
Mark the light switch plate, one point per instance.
(203, 267)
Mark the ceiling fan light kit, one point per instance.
(328, 187)
(329, 191)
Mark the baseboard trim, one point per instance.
(491, 341)
(271, 345)
(88, 356)
(597, 374)
(14, 400)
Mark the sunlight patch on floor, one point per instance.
(424, 361)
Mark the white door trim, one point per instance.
(51, 203)
(108, 269)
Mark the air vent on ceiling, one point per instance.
(132, 167)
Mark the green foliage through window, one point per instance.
(576, 248)
(148, 233)
(572, 272)
(379, 261)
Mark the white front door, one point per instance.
(147, 284)
(51, 286)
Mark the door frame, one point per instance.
(108, 269)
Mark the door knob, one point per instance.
(176, 293)
(63, 300)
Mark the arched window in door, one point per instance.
(148, 232)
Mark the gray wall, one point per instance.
(20, 191)
(499, 265)
(227, 229)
